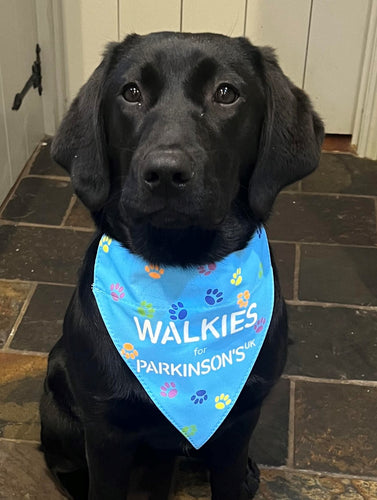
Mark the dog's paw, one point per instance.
(213, 296)
(252, 481)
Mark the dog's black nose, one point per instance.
(167, 170)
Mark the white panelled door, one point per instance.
(338, 31)
(20, 131)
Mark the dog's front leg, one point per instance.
(109, 456)
(233, 475)
(233, 479)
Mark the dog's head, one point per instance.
(179, 143)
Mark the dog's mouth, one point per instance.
(169, 219)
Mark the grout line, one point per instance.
(296, 272)
(331, 195)
(24, 352)
(291, 424)
(21, 441)
(314, 243)
(339, 305)
(20, 317)
(9, 280)
(69, 210)
(4, 222)
(285, 468)
(336, 381)
(63, 178)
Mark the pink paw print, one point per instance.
(259, 325)
(117, 291)
(207, 269)
(168, 390)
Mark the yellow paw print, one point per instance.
(243, 298)
(237, 278)
(222, 401)
(129, 351)
(154, 272)
(105, 243)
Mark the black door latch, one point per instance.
(34, 81)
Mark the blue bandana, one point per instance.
(191, 336)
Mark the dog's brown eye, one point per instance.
(226, 94)
(132, 93)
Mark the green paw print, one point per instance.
(105, 243)
(146, 309)
(237, 278)
(189, 430)
(222, 401)
(260, 272)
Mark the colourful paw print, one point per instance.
(189, 430)
(237, 278)
(117, 292)
(168, 390)
(199, 397)
(154, 272)
(146, 309)
(177, 311)
(260, 271)
(207, 269)
(222, 401)
(243, 298)
(259, 325)
(213, 296)
(105, 243)
(128, 351)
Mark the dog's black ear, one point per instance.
(79, 145)
(291, 138)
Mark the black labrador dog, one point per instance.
(178, 144)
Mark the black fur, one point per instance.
(180, 179)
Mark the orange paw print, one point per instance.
(243, 298)
(129, 351)
(154, 272)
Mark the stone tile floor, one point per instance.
(317, 437)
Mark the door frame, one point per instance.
(364, 135)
